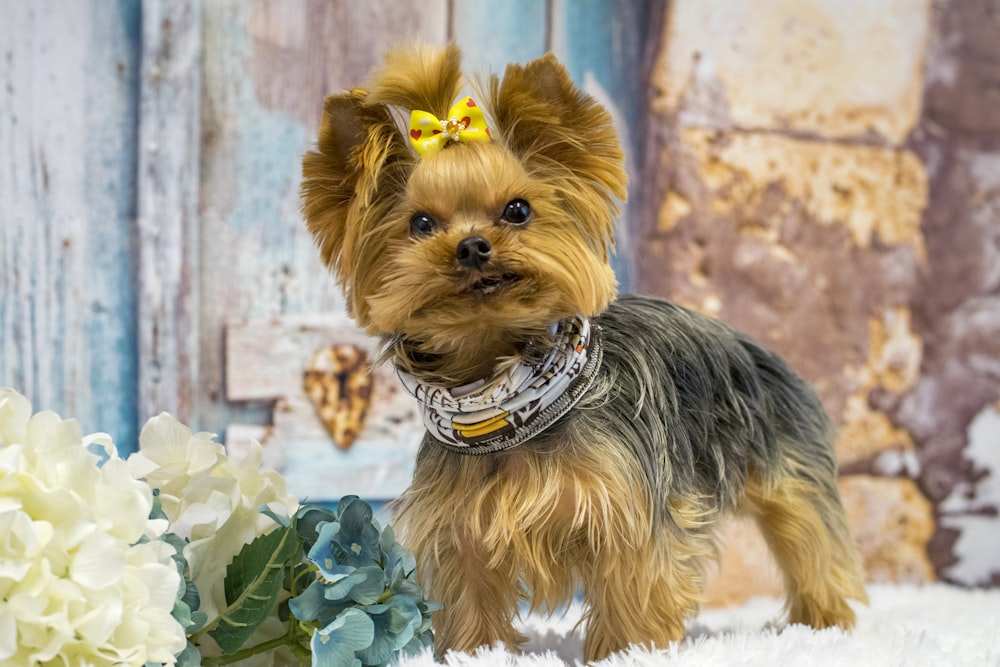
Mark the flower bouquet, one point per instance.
(183, 555)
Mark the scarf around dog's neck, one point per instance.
(494, 414)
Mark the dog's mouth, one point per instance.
(487, 285)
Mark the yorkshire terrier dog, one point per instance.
(574, 439)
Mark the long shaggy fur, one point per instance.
(687, 419)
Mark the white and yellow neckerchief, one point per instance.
(489, 416)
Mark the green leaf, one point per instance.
(156, 512)
(253, 583)
(274, 516)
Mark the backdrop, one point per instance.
(823, 174)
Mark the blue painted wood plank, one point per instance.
(67, 192)
(168, 196)
(604, 46)
(496, 33)
(267, 67)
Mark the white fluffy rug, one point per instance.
(905, 626)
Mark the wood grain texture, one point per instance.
(152, 196)
(68, 105)
(168, 233)
(608, 48)
(265, 361)
(267, 68)
(503, 32)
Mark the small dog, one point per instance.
(573, 439)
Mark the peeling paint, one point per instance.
(674, 208)
(893, 365)
(897, 463)
(878, 194)
(895, 351)
(866, 433)
(804, 66)
(745, 569)
(973, 507)
(260, 149)
(857, 236)
(891, 521)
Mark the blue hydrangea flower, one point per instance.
(358, 537)
(361, 569)
(327, 555)
(337, 644)
(395, 623)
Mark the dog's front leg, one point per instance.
(479, 595)
(644, 592)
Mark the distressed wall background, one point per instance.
(824, 174)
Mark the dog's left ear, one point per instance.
(350, 182)
(544, 118)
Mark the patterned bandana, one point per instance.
(484, 417)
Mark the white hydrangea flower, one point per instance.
(209, 498)
(77, 585)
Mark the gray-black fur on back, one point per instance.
(701, 405)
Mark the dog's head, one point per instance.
(498, 227)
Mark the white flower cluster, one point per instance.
(209, 498)
(77, 585)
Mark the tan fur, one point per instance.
(454, 187)
(363, 183)
(539, 526)
(416, 76)
(551, 521)
(558, 512)
(805, 529)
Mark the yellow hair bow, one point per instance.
(465, 122)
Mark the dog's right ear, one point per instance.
(350, 183)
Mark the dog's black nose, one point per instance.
(473, 252)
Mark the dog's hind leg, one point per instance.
(803, 522)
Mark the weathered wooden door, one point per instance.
(154, 257)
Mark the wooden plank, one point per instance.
(267, 68)
(491, 35)
(604, 46)
(265, 360)
(67, 190)
(169, 137)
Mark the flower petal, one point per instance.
(395, 623)
(163, 439)
(309, 604)
(98, 563)
(323, 555)
(8, 632)
(335, 645)
(15, 411)
(358, 537)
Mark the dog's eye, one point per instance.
(422, 224)
(516, 212)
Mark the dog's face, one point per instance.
(508, 235)
(479, 244)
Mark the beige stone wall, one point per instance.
(825, 175)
